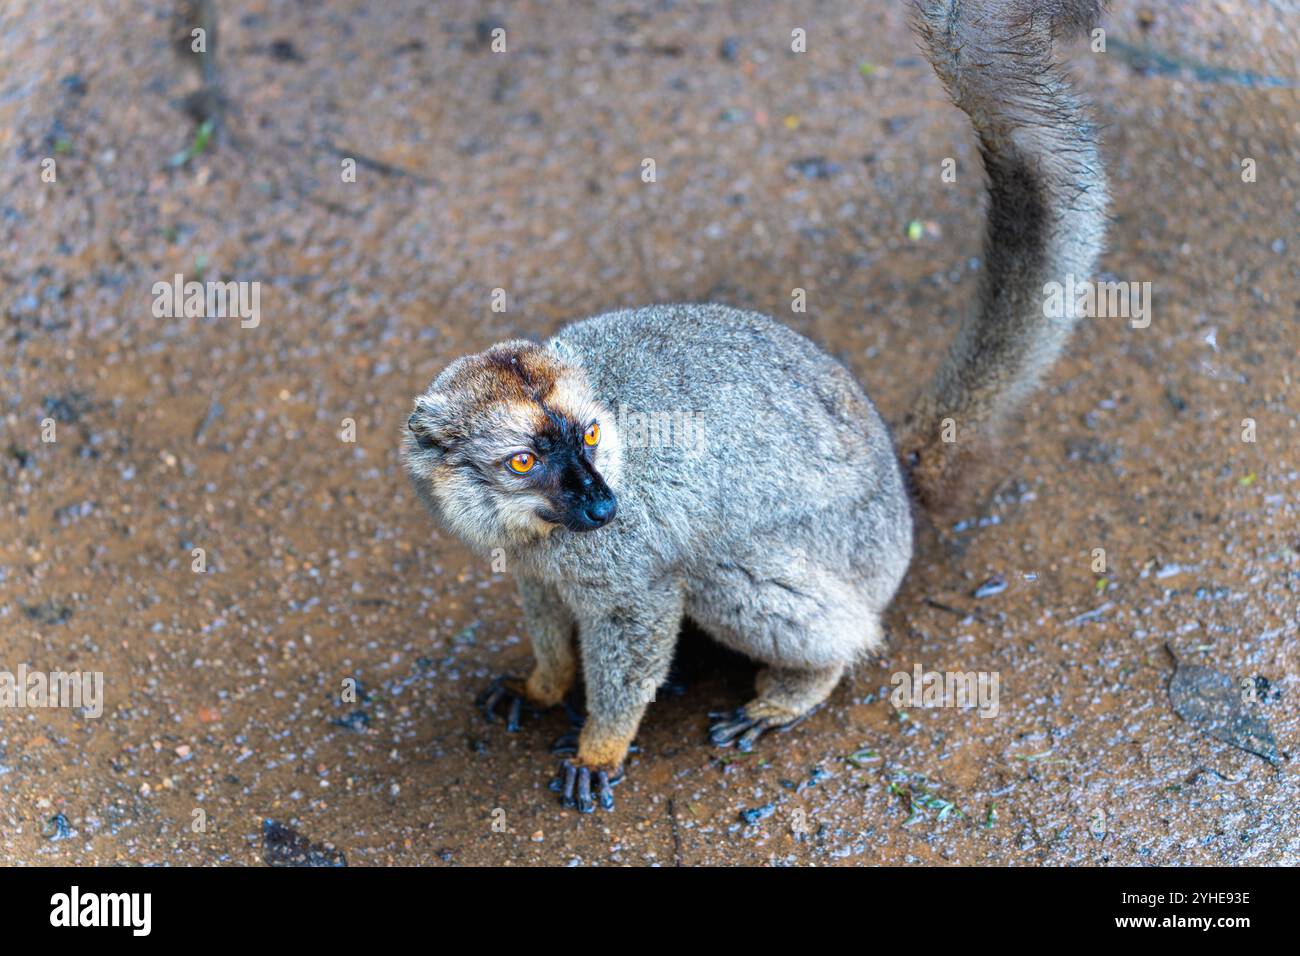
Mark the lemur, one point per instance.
(787, 531)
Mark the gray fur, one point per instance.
(783, 537)
(1046, 219)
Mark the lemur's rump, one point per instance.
(696, 460)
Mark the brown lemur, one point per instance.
(786, 530)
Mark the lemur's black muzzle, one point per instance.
(589, 504)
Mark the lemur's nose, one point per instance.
(601, 511)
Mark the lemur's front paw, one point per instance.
(573, 783)
(508, 690)
(744, 725)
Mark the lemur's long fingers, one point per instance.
(605, 790)
(570, 773)
(490, 696)
(585, 803)
(746, 741)
(573, 784)
(487, 702)
(502, 688)
(725, 731)
(744, 731)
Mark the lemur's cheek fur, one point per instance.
(524, 516)
(417, 465)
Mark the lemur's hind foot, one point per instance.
(510, 692)
(545, 687)
(785, 697)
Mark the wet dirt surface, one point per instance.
(521, 171)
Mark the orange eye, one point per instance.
(591, 437)
(522, 463)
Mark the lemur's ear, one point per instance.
(425, 425)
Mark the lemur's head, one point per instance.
(509, 445)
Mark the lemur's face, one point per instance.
(509, 445)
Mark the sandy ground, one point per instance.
(521, 171)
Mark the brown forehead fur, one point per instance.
(521, 376)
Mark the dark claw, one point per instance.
(585, 803)
(573, 784)
(503, 688)
(732, 726)
(798, 720)
(605, 790)
(566, 743)
(739, 728)
(745, 743)
(570, 776)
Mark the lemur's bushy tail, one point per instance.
(1046, 220)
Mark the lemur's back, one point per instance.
(770, 424)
